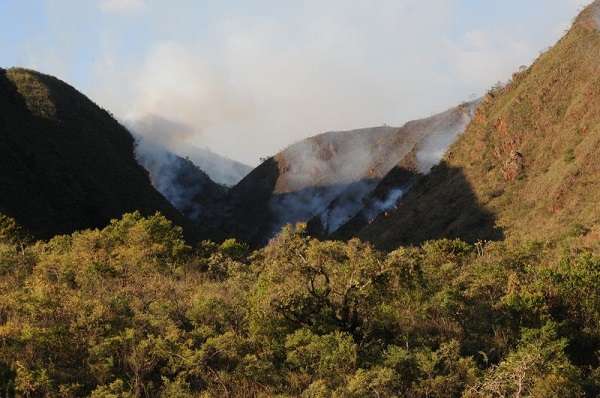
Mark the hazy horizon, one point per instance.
(246, 79)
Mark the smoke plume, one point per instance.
(377, 207)
(331, 173)
(169, 175)
(345, 206)
(175, 138)
(178, 179)
(433, 147)
(255, 85)
(428, 139)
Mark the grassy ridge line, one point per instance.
(529, 157)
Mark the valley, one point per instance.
(455, 256)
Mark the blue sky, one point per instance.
(249, 77)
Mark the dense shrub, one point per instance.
(131, 311)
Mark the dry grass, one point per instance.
(531, 154)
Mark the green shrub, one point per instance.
(130, 310)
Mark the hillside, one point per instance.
(435, 135)
(189, 189)
(157, 132)
(325, 179)
(527, 166)
(66, 164)
(220, 169)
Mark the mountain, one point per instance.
(526, 167)
(434, 134)
(329, 175)
(220, 169)
(66, 164)
(385, 197)
(156, 131)
(183, 183)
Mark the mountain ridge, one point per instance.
(527, 160)
(330, 172)
(66, 164)
(155, 131)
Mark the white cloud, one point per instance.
(252, 84)
(479, 56)
(265, 83)
(121, 6)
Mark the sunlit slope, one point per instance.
(528, 165)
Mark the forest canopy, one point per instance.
(133, 311)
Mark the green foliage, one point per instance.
(132, 311)
(332, 355)
(234, 249)
(538, 367)
(10, 231)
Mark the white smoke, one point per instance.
(178, 100)
(167, 174)
(443, 130)
(177, 178)
(251, 86)
(332, 175)
(377, 207)
(257, 76)
(329, 175)
(433, 148)
(338, 158)
(346, 205)
(174, 137)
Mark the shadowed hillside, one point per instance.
(440, 205)
(66, 164)
(530, 156)
(184, 184)
(326, 178)
(154, 133)
(385, 197)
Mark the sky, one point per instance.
(246, 78)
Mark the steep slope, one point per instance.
(66, 164)
(220, 169)
(184, 184)
(436, 134)
(385, 197)
(174, 137)
(527, 166)
(329, 175)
